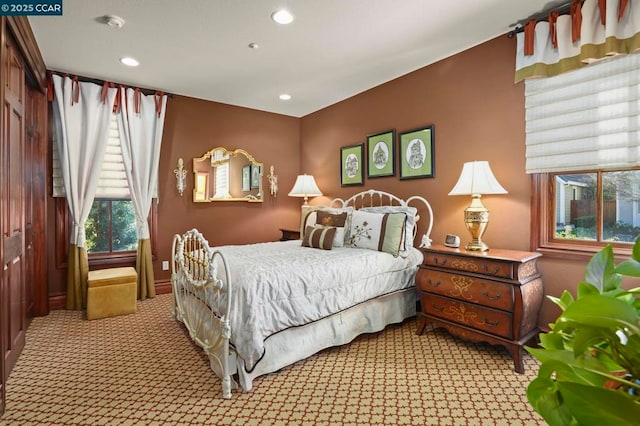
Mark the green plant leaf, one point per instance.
(600, 311)
(585, 289)
(587, 337)
(635, 251)
(565, 366)
(565, 299)
(629, 268)
(544, 398)
(600, 268)
(599, 406)
(551, 341)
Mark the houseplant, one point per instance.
(590, 360)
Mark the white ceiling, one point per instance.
(333, 50)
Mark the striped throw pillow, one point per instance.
(318, 236)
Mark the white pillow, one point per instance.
(377, 231)
(411, 213)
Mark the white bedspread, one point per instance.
(280, 285)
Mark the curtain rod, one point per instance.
(562, 8)
(100, 82)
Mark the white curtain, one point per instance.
(591, 31)
(141, 121)
(81, 114)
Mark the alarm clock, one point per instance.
(452, 241)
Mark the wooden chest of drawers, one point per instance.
(492, 296)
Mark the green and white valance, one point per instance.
(592, 30)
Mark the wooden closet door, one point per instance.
(35, 196)
(13, 297)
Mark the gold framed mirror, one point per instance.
(223, 175)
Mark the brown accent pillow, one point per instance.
(331, 219)
(318, 236)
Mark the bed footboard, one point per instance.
(201, 294)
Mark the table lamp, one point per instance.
(477, 179)
(306, 187)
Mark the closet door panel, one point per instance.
(14, 295)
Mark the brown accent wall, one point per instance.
(478, 113)
(192, 127)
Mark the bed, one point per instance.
(257, 308)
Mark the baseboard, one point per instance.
(59, 301)
(163, 287)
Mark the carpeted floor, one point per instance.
(142, 369)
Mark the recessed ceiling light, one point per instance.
(285, 97)
(130, 62)
(253, 46)
(282, 16)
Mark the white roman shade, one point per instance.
(585, 119)
(113, 179)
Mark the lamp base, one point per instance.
(476, 245)
(476, 219)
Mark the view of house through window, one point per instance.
(582, 213)
(111, 227)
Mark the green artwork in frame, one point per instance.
(415, 152)
(380, 154)
(351, 165)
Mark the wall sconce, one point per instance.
(477, 179)
(181, 177)
(273, 181)
(306, 187)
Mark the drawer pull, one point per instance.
(490, 324)
(433, 284)
(486, 294)
(437, 308)
(439, 263)
(496, 270)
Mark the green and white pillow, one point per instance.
(410, 223)
(377, 231)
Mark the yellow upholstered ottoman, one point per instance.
(111, 292)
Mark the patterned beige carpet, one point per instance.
(142, 369)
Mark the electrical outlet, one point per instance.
(165, 265)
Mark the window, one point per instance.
(111, 234)
(582, 214)
(116, 257)
(583, 149)
(111, 227)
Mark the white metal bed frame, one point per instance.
(197, 269)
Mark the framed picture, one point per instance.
(256, 174)
(351, 164)
(246, 178)
(380, 154)
(415, 149)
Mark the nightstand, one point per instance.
(492, 296)
(289, 234)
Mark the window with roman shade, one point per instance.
(583, 146)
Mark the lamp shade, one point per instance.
(306, 187)
(477, 178)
